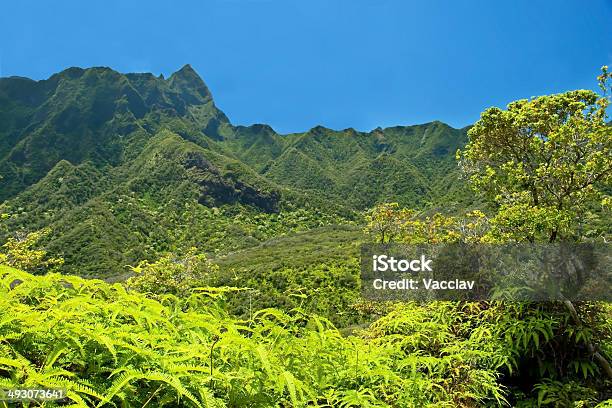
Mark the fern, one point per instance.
(109, 347)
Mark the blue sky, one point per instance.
(298, 64)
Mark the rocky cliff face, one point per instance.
(216, 189)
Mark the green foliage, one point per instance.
(20, 252)
(543, 161)
(109, 346)
(315, 270)
(170, 275)
(388, 222)
(327, 289)
(522, 342)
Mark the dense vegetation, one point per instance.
(124, 167)
(108, 346)
(234, 251)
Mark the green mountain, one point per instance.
(123, 167)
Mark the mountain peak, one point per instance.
(187, 81)
(186, 69)
(319, 130)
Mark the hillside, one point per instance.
(123, 167)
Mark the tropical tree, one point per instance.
(385, 221)
(172, 274)
(22, 251)
(544, 164)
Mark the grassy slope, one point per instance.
(318, 245)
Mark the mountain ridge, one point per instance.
(188, 70)
(110, 160)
